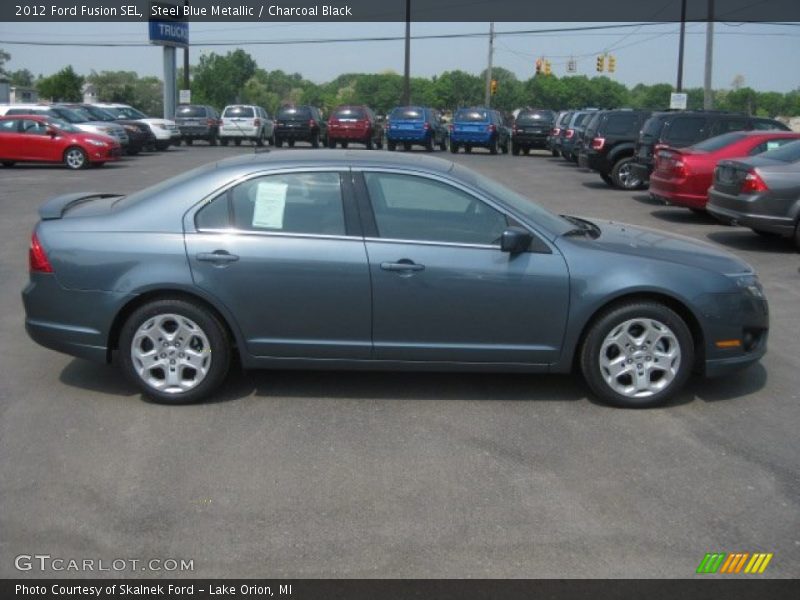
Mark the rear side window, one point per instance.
(471, 115)
(771, 145)
(685, 131)
(769, 124)
(715, 143)
(651, 130)
(790, 153)
(290, 203)
(191, 111)
(245, 112)
(9, 126)
(350, 113)
(621, 124)
(726, 125)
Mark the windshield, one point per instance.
(715, 143)
(788, 153)
(552, 223)
(63, 125)
(94, 113)
(68, 115)
(407, 114)
(125, 112)
(471, 115)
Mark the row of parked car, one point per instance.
(739, 168)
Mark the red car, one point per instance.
(38, 138)
(354, 124)
(682, 176)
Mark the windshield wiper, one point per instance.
(584, 227)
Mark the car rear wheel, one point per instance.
(514, 149)
(453, 147)
(189, 141)
(212, 140)
(369, 143)
(391, 146)
(406, 146)
(443, 144)
(278, 142)
(175, 351)
(223, 141)
(75, 158)
(622, 175)
(429, 144)
(467, 148)
(260, 139)
(237, 142)
(554, 153)
(637, 355)
(493, 146)
(8, 163)
(315, 140)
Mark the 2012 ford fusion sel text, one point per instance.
(348, 260)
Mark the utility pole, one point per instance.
(186, 60)
(488, 95)
(407, 70)
(679, 86)
(708, 93)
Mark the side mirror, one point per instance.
(515, 240)
(51, 131)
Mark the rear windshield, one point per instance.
(92, 113)
(191, 111)
(68, 115)
(715, 143)
(407, 114)
(294, 113)
(651, 130)
(471, 115)
(350, 113)
(581, 118)
(239, 111)
(564, 119)
(535, 117)
(788, 153)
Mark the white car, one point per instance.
(166, 131)
(113, 130)
(246, 122)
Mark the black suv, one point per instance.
(684, 128)
(300, 123)
(531, 129)
(608, 146)
(197, 122)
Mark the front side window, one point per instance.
(9, 126)
(308, 203)
(408, 207)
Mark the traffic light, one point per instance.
(538, 65)
(612, 64)
(600, 61)
(493, 86)
(547, 69)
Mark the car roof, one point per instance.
(32, 117)
(337, 158)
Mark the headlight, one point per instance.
(97, 143)
(751, 285)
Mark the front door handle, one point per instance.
(218, 256)
(402, 265)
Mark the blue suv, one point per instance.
(408, 125)
(479, 126)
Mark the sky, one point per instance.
(766, 56)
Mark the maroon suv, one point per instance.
(354, 124)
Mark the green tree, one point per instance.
(64, 86)
(4, 58)
(21, 78)
(144, 93)
(220, 80)
(457, 88)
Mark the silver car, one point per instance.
(346, 260)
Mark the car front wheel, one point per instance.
(176, 351)
(75, 158)
(637, 355)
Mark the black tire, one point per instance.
(8, 163)
(443, 144)
(315, 140)
(75, 158)
(212, 141)
(429, 144)
(607, 178)
(223, 141)
(407, 146)
(616, 316)
(554, 153)
(504, 148)
(369, 143)
(622, 177)
(514, 149)
(526, 151)
(189, 141)
(344, 144)
(453, 148)
(467, 148)
(493, 146)
(331, 143)
(237, 141)
(132, 151)
(699, 211)
(260, 139)
(291, 143)
(391, 146)
(278, 142)
(215, 332)
(161, 146)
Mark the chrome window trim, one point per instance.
(433, 243)
(250, 232)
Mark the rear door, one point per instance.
(37, 144)
(444, 291)
(283, 252)
(10, 140)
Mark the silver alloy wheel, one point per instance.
(75, 158)
(171, 353)
(640, 357)
(627, 178)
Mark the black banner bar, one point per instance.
(394, 10)
(702, 588)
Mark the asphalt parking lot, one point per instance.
(333, 474)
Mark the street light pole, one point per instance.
(407, 69)
(708, 93)
(679, 86)
(488, 94)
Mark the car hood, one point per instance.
(631, 240)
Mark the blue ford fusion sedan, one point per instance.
(343, 260)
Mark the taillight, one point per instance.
(598, 143)
(680, 168)
(570, 133)
(256, 122)
(37, 259)
(555, 131)
(210, 122)
(426, 125)
(753, 183)
(491, 129)
(312, 123)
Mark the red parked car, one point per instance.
(354, 124)
(682, 176)
(38, 138)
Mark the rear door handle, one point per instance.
(218, 256)
(402, 266)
